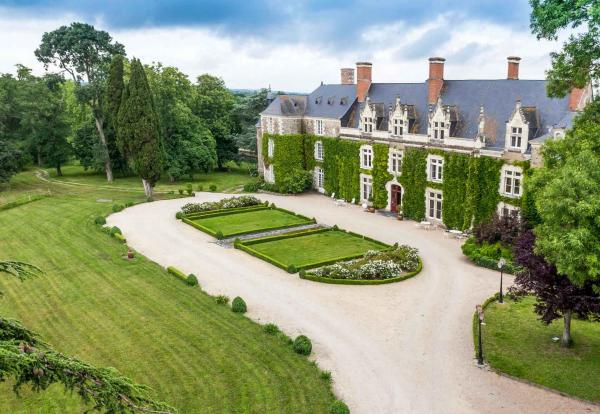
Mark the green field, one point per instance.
(516, 342)
(91, 303)
(315, 248)
(245, 222)
(229, 181)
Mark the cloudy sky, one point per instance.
(293, 45)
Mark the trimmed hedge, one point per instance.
(100, 220)
(314, 278)
(17, 203)
(473, 251)
(339, 407)
(225, 211)
(238, 305)
(302, 345)
(189, 280)
(120, 237)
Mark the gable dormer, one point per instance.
(442, 120)
(399, 122)
(522, 123)
(368, 117)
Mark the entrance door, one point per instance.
(396, 198)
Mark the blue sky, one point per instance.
(294, 45)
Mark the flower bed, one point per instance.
(232, 202)
(385, 266)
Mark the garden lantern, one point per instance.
(501, 264)
(479, 309)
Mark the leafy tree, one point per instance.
(556, 295)
(115, 85)
(85, 53)
(213, 104)
(189, 144)
(138, 131)
(28, 360)
(9, 161)
(579, 60)
(245, 114)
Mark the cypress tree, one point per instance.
(112, 100)
(138, 132)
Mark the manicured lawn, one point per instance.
(225, 181)
(517, 343)
(198, 356)
(315, 248)
(251, 221)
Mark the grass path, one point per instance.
(198, 356)
(516, 342)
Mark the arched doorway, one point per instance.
(395, 198)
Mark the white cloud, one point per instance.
(253, 63)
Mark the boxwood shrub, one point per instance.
(117, 207)
(114, 230)
(179, 215)
(100, 220)
(213, 188)
(338, 407)
(302, 345)
(238, 305)
(222, 300)
(271, 328)
(191, 280)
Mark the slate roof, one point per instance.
(498, 98)
(565, 123)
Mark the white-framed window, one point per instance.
(319, 151)
(269, 174)
(270, 148)
(319, 178)
(397, 126)
(434, 204)
(366, 157)
(366, 187)
(511, 184)
(439, 129)
(319, 127)
(516, 137)
(395, 161)
(435, 168)
(368, 124)
(270, 125)
(506, 210)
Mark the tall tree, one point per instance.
(115, 85)
(579, 60)
(138, 132)
(28, 360)
(213, 105)
(85, 53)
(10, 161)
(556, 295)
(245, 114)
(189, 145)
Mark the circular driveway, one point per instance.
(399, 348)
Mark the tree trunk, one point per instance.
(104, 145)
(58, 170)
(566, 336)
(147, 188)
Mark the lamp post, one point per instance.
(479, 309)
(501, 264)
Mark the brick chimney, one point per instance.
(347, 76)
(513, 68)
(436, 78)
(363, 79)
(575, 99)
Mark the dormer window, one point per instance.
(438, 130)
(366, 157)
(398, 127)
(319, 127)
(319, 151)
(516, 136)
(368, 124)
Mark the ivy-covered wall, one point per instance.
(470, 185)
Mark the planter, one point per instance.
(400, 216)
(371, 209)
(129, 254)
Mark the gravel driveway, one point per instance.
(399, 348)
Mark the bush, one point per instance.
(120, 237)
(271, 328)
(232, 202)
(129, 203)
(213, 188)
(219, 235)
(326, 375)
(295, 182)
(222, 300)
(252, 187)
(179, 215)
(114, 230)
(302, 345)
(238, 305)
(117, 207)
(180, 191)
(487, 255)
(505, 229)
(192, 280)
(291, 269)
(101, 221)
(338, 407)
(200, 187)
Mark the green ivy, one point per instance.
(414, 182)
(341, 167)
(482, 187)
(456, 172)
(380, 175)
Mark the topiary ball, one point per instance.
(219, 235)
(238, 305)
(338, 407)
(292, 269)
(192, 280)
(179, 215)
(302, 345)
(100, 220)
(114, 230)
(271, 328)
(117, 207)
